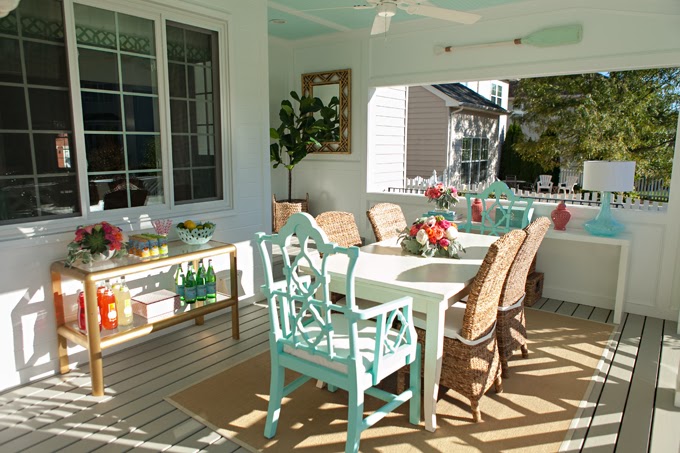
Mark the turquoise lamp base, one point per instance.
(604, 224)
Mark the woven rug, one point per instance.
(533, 414)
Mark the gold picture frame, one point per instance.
(325, 84)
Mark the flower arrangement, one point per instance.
(443, 196)
(95, 242)
(432, 236)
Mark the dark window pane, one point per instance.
(201, 115)
(182, 185)
(204, 184)
(178, 81)
(17, 199)
(104, 152)
(136, 35)
(144, 151)
(12, 108)
(178, 116)
(8, 24)
(15, 154)
(95, 27)
(101, 112)
(482, 171)
(202, 151)
(175, 43)
(180, 151)
(58, 195)
(474, 173)
(466, 154)
(45, 64)
(141, 114)
(10, 69)
(54, 153)
(200, 83)
(198, 47)
(100, 185)
(98, 70)
(465, 173)
(139, 74)
(125, 192)
(50, 109)
(153, 184)
(42, 20)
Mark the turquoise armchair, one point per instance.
(344, 346)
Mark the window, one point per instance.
(132, 153)
(497, 94)
(474, 160)
(37, 159)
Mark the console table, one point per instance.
(623, 242)
(94, 340)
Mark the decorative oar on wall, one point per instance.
(547, 37)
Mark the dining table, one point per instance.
(384, 272)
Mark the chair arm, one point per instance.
(374, 312)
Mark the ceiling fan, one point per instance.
(385, 9)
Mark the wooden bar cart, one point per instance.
(95, 341)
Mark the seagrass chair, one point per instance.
(387, 220)
(340, 228)
(345, 346)
(470, 361)
(511, 328)
(498, 217)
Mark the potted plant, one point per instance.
(299, 133)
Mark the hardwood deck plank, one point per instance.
(665, 435)
(172, 439)
(567, 308)
(539, 303)
(599, 314)
(223, 445)
(583, 311)
(551, 305)
(604, 429)
(202, 439)
(636, 424)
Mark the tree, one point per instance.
(627, 115)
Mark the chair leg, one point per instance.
(332, 388)
(476, 413)
(498, 383)
(525, 351)
(504, 368)
(355, 418)
(414, 404)
(275, 397)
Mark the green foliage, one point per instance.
(302, 129)
(512, 162)
(628, 115)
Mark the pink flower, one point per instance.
(445, 224)
(444, 242)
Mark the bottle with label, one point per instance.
(190, 285)
(82, 323)
(211, 283)
(201, 290)
(101, 292)
(109, 314)
(179, 282)
(123, 304)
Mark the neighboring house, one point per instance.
(452, 128)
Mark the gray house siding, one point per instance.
(474, 124)
(428, 133)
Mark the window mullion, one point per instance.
(163, 75)
(76, 106)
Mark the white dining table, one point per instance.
(384, 272)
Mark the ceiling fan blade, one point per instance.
(441, 13)
(381, 24)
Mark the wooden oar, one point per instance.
(546, 37)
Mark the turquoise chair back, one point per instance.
(498, 218)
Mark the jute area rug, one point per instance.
(533, 414)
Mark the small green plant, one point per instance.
(302, 130)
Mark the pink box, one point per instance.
(155, 304)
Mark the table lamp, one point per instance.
(607, 177)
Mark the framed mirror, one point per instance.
(325, 86)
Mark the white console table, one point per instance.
(622, 241)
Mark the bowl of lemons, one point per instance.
(194, 232)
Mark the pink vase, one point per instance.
(477, 209)
(560, 216)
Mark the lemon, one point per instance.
(189, 224)
(199, 227)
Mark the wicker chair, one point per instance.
(511, 327)
(387, 220)
(470, 362)
(340, 228)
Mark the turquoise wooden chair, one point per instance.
(498, 218)
(344, 346)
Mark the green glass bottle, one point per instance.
(190, 285)
(211, 283)
(201, 290)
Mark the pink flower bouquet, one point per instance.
(432, 236)
(92, 242)
(443, 196)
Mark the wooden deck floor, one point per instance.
(630, 410)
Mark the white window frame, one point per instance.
(471, 160)
(497, 98)
(161, 12)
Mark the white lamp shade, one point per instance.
(6, 6)
(607, 176)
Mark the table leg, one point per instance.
(235, 331)
(94, 346)
(62, 346)
(434, 347)
(621, 283)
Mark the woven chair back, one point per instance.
(387, 220)
(482, 305)
(340, 228)
(516, 281)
